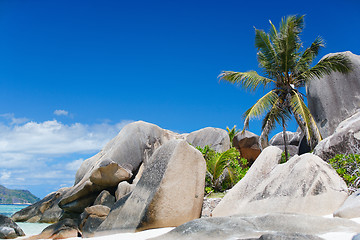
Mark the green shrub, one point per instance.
(224, 170)
(283, 159)
(347, 166)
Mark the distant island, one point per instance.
(9, 196)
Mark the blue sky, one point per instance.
(73, 73)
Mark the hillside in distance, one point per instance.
(9, 196)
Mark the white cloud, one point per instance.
(5, 175)
(40, 153)
(74, 165)
(13, 120)
(61, 112)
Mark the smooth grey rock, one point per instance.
(92, 217)
(293, 141)
(64, 229)
(305, 184)
(216, 138)
(351, 207)
(247, 143)
(335, 97)
(9, 229)
(289, 236)
(345, 139)
(45, 210)
(169, 193)
(245, 227)
(105, 198)
(293, 138)
(116, 162)
(123, 189)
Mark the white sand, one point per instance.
(132, 236)
(157, 232)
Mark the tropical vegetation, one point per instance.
(223, 169)
(348, 167)
(286, 68)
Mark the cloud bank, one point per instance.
(47, 154)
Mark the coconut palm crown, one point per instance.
(286, 68)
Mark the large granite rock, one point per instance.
(92, 217)
(216, 138)
(105, 198)
(335, 97)
(66, 228)
(118, 161)
(252, 227)
(9, 229)
(46, 210)
(351, 207)
(247, 143)
(305, 184)
(169, 193)
(345, 139)
(293, 141)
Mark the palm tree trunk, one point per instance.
(264, 138)
(285, 139)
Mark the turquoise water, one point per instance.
(10, 209)
(28, 228)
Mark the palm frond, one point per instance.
(339, 63)
(249, 80)
(299, 107)
(260, 107)
(305, 60)
(267, 56)
(289, 42)
(221, 161)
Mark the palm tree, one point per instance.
(286, 68)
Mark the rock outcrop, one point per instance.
(293, 141)
(169, 193)
(92, 217)
(9, 229)
(335, 97)
(305, 184)
(351, 207)
(345, 139)
(64, 229)
(247, 143)
(216, 138)
(118, 161)
(46, 210)
(253, 227)
(105, 199)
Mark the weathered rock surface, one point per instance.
(247, 143)
(9, 229)
(293, 141)
(216, 138)
(105, 198)
(288, 236)
(305, 184)
(245, 227)
(46, 210)
(66, 228)
(351, 207)
(169, 193)
(117, 162)
(92, 217)
(335, 97)
(345, 139)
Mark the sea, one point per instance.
(28, 228)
